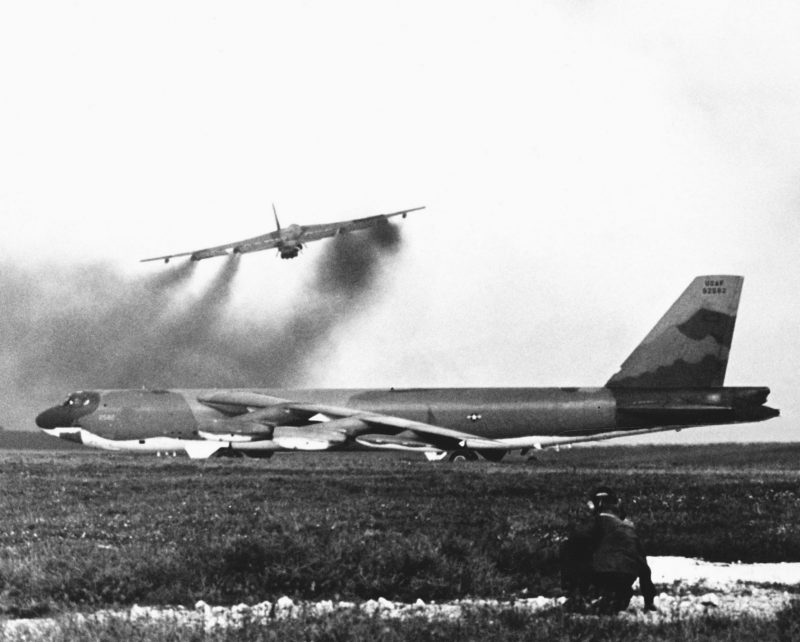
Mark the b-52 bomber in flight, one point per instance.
(674, 379)
(289, 240)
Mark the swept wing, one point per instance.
(325, 230)
(294, 234)
(322, 426)
(262, 242)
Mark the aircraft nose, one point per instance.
(55, 417)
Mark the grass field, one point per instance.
(86, 530)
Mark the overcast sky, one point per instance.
(580, 162)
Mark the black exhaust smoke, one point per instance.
(344, 282)
(91, 327)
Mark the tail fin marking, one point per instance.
(689, 346)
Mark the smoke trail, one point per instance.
(351, 262)
(89, 326)
(63, 328)
(62, 321)
(167, 351)
(343, 284)
(170, 277)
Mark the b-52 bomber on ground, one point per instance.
(289, 240)
(672, 380)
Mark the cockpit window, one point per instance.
(80, 399)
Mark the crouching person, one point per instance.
(601, 559)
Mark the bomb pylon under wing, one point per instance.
(673, 379)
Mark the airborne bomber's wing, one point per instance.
(262, 242)
(274, 239)
(324, 230)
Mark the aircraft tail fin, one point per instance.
(689, 346)
(277, 222)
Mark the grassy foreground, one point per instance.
(478, 625)
(90, 530)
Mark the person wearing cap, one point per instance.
(601, 559)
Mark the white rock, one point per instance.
(318, 609)
(261, 611)
(542, 602)
(370, 607)
(284, 607)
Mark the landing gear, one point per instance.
(463, 454)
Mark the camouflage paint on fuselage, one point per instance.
(493, 413)
(488, 412)
(689, 346)
(141, 414)
(673, 379)
(497, 413)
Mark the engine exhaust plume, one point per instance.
(90, 326)
(345, 280)
(67, 327)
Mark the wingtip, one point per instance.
(166, 259)
(404, 213)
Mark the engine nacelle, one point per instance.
(233, 430)
(289, 251)
(206, 254)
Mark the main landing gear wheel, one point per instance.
(463, 455)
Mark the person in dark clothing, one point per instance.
(602, 558)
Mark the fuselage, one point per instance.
(151, 420)
(673, 379)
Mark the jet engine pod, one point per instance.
(277, 415)
(206, 254)
(233, 429)
(289, 251)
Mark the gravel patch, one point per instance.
(696, 588)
